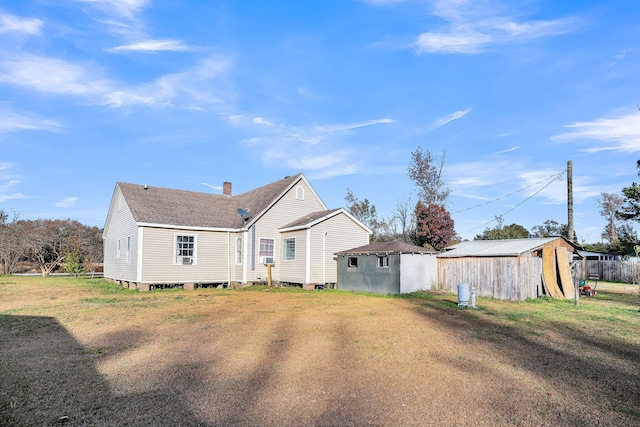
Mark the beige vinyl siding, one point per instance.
(121, 226)
(212, 257)
(294, 271)
(342, 234)
(236, 269)
(287, 209)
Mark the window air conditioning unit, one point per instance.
(187, 260)
(266, 260)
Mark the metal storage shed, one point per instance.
(387, 268)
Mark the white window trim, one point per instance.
(284, 248)
(239, 254)
(379, 260)
(299, 193)
(273, 254)
(128, 253)
(118, 249)
(175, 248)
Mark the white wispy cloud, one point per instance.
(188, 89)
(67, 202)
(6, 189)
(51, 75)
(509, 150)
(480, 173)
(14, 24)
(449, 118)
(350, 126)
(619, 56)
(215, 187)
(13, 196)
(192, 88)
(153, 46)
(315, 149)
(14, 122)
(621, 133)
(121, 8)
(472, 27)
(261, 121)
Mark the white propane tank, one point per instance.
(463, 294)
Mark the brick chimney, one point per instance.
(226, 188)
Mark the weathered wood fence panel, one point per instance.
(508, 278)
(625, 271)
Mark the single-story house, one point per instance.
(514, 269)
(387, 268)
(157, 237)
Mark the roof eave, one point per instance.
(189, 227)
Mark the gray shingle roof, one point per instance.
(309, 218)
(388, 248)
(166, 206)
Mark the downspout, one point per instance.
(139, 264)
(253, 247)
(228, 259)
(308, 260)
(324, 258)
(245, 255)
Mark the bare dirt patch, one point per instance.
(104, 356)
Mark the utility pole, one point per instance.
(570, 233)
(576, 290)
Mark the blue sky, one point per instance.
(189, 94)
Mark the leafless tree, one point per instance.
(426, 171)
(12, 243)
(50, 241)
(610, 204)
(405, 219)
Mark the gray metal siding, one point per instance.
(368, 277)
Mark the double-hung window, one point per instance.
(238, 250)
(266, 251)
(185, 249)
(289, 249)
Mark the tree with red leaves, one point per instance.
(434, 226)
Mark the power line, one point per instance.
(552, 179)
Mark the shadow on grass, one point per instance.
(48, 378)
(598, 372)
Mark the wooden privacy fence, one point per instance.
(626, 271)
(508, 278)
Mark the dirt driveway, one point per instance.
(214, 357)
